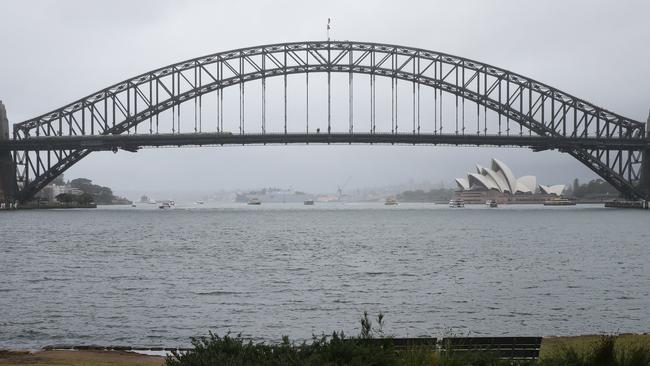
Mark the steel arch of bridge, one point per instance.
(608, 143)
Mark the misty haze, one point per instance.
(418, 182)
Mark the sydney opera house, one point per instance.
(499, 183)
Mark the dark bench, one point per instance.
(402, 344)
(502, 347)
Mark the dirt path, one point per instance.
(79, 358)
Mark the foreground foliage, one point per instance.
(372, 348)
(334, 350)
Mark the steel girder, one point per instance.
(541, 110)
(135, 142)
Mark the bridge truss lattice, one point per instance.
(468, 103)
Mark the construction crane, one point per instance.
(340, 188)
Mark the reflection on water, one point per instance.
(145, 276)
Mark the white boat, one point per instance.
(166, 204)
(199, 202)
(456, 203)
(391, 201)
(145, 199)
(254, 201)
(491, 203)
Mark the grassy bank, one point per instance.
(553, 345)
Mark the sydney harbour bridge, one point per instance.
(326, 92)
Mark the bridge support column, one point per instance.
(645, 166)
(8, 187)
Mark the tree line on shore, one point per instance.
(91, 193)
(593, 188)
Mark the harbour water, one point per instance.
(149, 277)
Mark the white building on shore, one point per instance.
(50, 191)
(499, 183)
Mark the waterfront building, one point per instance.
(49, 192)
(500, 184)
(276, 195)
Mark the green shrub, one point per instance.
(372, 348)
(324, 350)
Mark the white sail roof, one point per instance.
(526, 184)
(463, 184)
(500, 167)
(556, 189)
(481, 180)
(498, 179)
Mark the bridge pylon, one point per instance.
(8, 186)
(645, 165)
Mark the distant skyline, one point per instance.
(56, 52)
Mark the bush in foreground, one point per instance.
(333, 350)
(371, 348)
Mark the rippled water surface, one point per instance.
(144, 276)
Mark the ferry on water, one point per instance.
(391, 201)
(459, 203)
(254, 201)
(167, 204)
(491, 203)
(559, 201)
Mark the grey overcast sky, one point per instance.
(54, 52)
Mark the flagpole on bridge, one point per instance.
(328, 29)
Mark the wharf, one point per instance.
(641, 204)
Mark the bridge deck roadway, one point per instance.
(135, 141)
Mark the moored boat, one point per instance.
(166, 204)
(391, 201)
(491, 203)
(309, 202)
(254, 201)
(459, 203)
